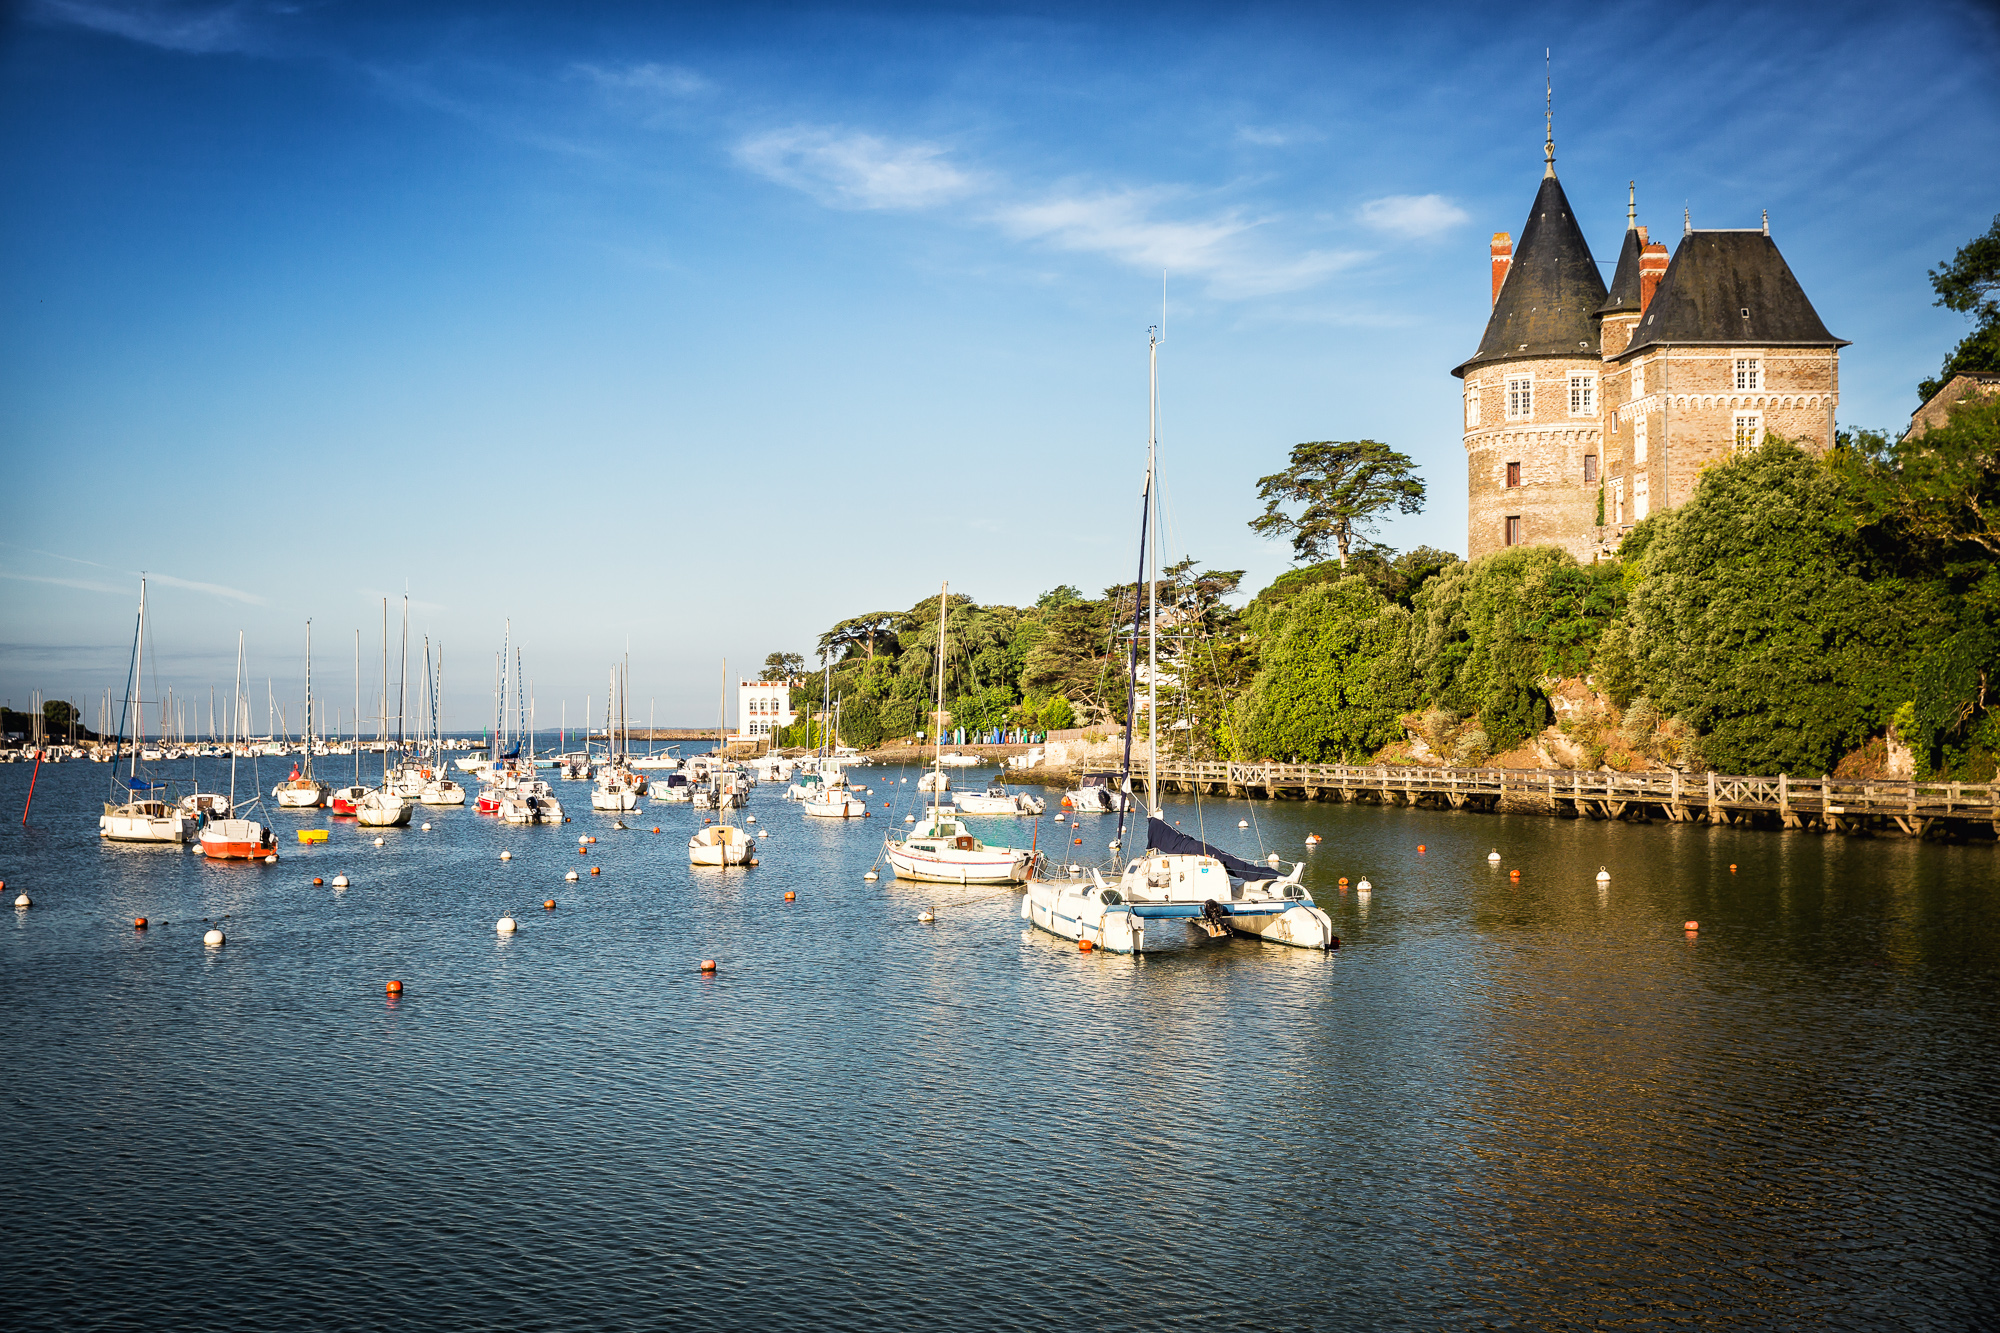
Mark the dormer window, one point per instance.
(1749, 373)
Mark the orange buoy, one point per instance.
(1513, 874)
(1732, 867)
(790, 896)
(1691, 925)
(1079, 842)
(139, 923)
(548, 905)
(318, 880)
(708, 965)
(656, 828)
(394, 988)
(1084, 946)
(583, 851)
(1343, 881)
(1420, 848)
(595, 870)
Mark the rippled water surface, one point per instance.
(1501, 1104)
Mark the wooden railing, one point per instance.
(1833, 802)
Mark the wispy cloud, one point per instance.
(649, 79)
(846, 169)
(1417, 215)
(86, 585)
(212, 589)
(1275, 136)
(197, 29)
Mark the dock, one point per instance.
(1830, 805)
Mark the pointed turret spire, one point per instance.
(1549, 114)
(1631, 205)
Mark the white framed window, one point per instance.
(1520, 397)
(1749, 432)
(1638, 441)
(1638, 379)
(1583, 395)
(1471, 406)
(1642, 498)
(1749, 373)
(1618, 502)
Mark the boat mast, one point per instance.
(382, 728)
(1153, 341)
(357, 708)
(309, 695)
(937, 720)
(238, 685)
(138, 684)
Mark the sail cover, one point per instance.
(140, 784)
(1163, 837)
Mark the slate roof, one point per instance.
(1729, 288)
(1624, 297)
(1548, 302)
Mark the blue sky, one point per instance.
(702, 328)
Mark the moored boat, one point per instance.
(237, 839)
(942, 850)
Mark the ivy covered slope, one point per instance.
(1793, 610)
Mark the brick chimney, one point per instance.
(1652, 267)
(1503, 256)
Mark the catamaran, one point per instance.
(1180, 877)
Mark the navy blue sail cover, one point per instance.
(1163, 837)
(140, 784)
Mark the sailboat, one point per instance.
(722, 843)
(939, 847)
(832, 797)
(1180, 877)
(234, 837)
(302, 791)
(439, 789)
(142, 813)
(384, 807)
(618, 788)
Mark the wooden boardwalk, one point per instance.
(1834, 805)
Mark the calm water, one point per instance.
(1532, 1104)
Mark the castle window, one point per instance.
(1749, 373)
(1520, 397)
(1749, 430)
(1638, 440)
(1583, 395)
(1471, 406)
(1513, 474)
(1642, 498)
(1618, 502)
(1590, 467)
(1513, 529)
(1638, 380)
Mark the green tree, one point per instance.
(1340, 488)
(783, 666)
(1336, 678)
(1968, 284)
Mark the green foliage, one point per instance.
(1486, 635)
(783, 666)
(1340, 487)
(1336, 677)
(1763, 619)
(1968, 285)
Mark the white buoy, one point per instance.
(1363, 887)
(24, 901)
(506, 856)
(378, 842)
(1493, 856)
(270, 860)
(925, 917)
(214, 939)
(909, 819)
(581, 839)
(906, 780)
(871, 877)
(749, 819)
(1114, 844)
(763, 833)
(1242, 823)
(1272, 858)
(340, 881)
(1075, 869)
(200, 850)
(427, 828)
(1059, 819)
(1603, 875)
(505, 925)
(571, 876)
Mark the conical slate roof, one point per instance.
(1730, 288)
(1551, 292)
(1624, 297)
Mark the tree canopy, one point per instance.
(1340, 488)
(1969, 284)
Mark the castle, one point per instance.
(1586, 409)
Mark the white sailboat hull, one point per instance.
(999, 866)
(300, 794)
(836, 809)
(126, 824)
(1073, 910)
(443, 792)
(617, 799)
(722, 845)
(383, 809)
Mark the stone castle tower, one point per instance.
(1586, 409)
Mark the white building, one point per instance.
(763, 707)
